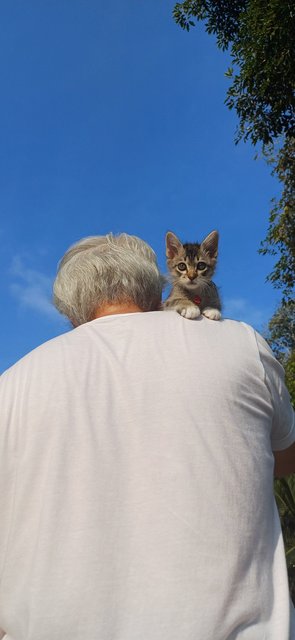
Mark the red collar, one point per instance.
(197, 300)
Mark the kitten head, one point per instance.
(191, 265)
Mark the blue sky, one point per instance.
(113, 119)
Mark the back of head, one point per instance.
(102, 270)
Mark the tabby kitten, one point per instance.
(191, 267)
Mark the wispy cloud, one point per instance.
(32, 288)
(241, 309)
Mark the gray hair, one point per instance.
(106, 269)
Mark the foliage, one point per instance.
(280, 236)
(281, 338)
(282, 329)
(261, 38)
(290, 375)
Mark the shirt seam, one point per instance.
(264, 375)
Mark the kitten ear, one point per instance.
(210, 244)
(173, 245)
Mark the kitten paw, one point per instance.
(190, 312)
(212, 314)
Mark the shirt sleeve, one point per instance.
(283, 426)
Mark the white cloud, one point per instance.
(32, 288)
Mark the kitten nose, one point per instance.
(191, 276)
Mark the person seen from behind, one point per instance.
(137, 455)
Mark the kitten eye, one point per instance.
(181, 266)
(201, 266)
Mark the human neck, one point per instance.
(113, 309)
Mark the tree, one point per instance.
(260, 35)
(261, 38)
(280, 238)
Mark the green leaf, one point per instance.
(290, 556)
(229, 72)
(285, 499)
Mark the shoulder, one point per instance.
(221, 335)
(226, 326)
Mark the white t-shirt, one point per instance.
(136, 484)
